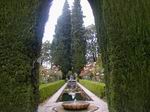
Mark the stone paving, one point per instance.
(49, 105)
(96, 100)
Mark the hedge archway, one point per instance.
(123, 33)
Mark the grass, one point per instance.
(95, 87)
(47, 90)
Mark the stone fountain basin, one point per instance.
(75, 105)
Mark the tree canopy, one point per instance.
(61, 45)
(46, 52)
(92, 44)
(78, 38)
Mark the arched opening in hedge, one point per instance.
(63, 29)
(123, 33)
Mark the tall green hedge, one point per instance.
(47, 90)
(20, 20)
(123, 28)
(96, 87)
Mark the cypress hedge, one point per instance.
(123, 29)
(124, 36)
(47, 90)
(96, 87)
(19, 49)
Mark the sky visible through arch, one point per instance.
(56, 11)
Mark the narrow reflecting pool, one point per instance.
(73, 92)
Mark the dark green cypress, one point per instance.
(46, 53)
(78, 38)
(61, 45)
(19, 50)
(91, 44)
(123, 30)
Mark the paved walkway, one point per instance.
(51, 103)
(96, 100)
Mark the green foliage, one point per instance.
(19, 50)
(49, 75)
(45, 52)
(123, 29)
(96, 87)
(61, 45)
(47, 90)
(78, 39)
(92, 45)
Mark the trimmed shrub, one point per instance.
(123, 31)
(96, 87)
(22, 25)
(47, 90)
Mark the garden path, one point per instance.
(51, 102)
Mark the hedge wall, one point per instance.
(47, 90)
(19, 50)
(123, 33)
(123, 28)
(96, 87)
